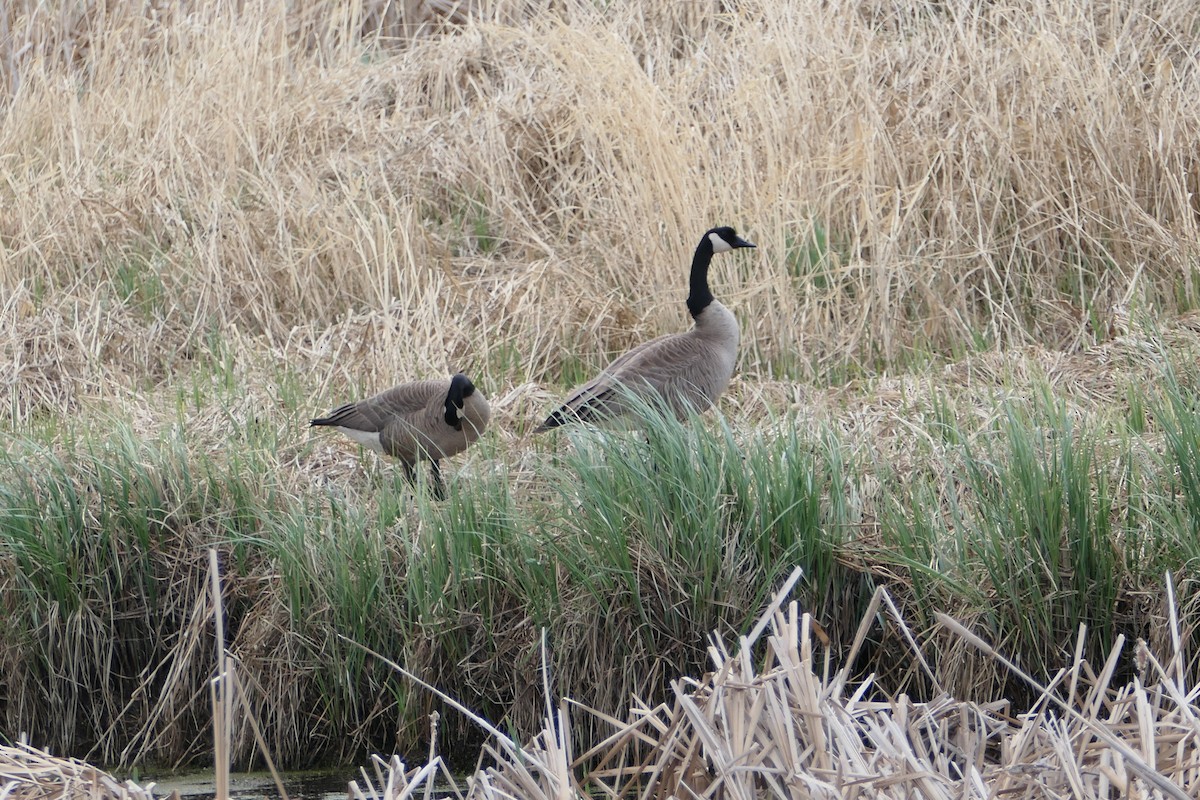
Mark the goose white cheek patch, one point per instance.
(719, 245)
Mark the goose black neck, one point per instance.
(700, 295)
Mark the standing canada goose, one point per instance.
(684, 370)
(422, 420)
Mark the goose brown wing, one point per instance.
(354, 416)
(373, 414)
(636, 355)
(679, 369)
(661, 365)
(409, 397)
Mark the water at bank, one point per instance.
(331, 785)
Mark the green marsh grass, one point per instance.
(1036, 525)
(1170, 531)
(628, 546)
(672, 537)
(684, 527)
(1039, 525)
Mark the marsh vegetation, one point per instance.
(967, 367)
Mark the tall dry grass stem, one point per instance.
(224, 693)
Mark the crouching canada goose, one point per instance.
(418, 421)
(684, 370)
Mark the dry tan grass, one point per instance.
(535, 181)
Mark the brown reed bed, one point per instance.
(775, 717)
(28, 773)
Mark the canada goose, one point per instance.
(684, 370)
(422, 420)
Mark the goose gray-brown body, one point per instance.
(418, 421)
(683, 370)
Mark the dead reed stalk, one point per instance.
(770, 720)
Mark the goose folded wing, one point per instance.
(658, 369)
(355, 417)
(410, 397)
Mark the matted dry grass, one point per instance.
(27, 773)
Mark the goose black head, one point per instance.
(460, 389)
(715, 240)
(725, 238)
